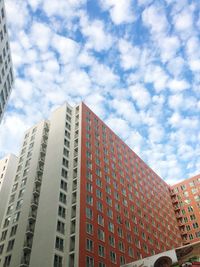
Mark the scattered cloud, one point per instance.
(136, 65)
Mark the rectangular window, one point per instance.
(63, 198)
(113, 257)
(10, 245)
(89, 213)
(13, 230)
(60, 227)
(89, 228)
(89, 262)
(101, 251)
(61, 211)
(101, 235)
(57, 261)
(89, 244)
(59, 243)
(63, 185)
(7, 261)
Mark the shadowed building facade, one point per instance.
(6, 69)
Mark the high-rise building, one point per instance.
(186, 200)
(82, 197)
(8, 167)
(6, 69)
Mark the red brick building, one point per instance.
(126, 211)
(186, 200)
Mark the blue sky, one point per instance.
(135, 63)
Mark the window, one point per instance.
(190, 236)
(61, 211)
(7, 261)
(192, 217)
(7, 221)
(89, 200)
(122, 260)
(63, 198)
(99, 193)
(89, 187)
(99, 206)
(60, 227)
(63, 185)
(101, 235)
(16, 217)
(89, 244)
(89, 228)
(1, 248)
(13, 230)
(3, 235)
(57, 261)
(190, 208)
(89, 213)
(10, 245)
(195, 225)
(112, 240)
(59, 243)
(101, 251)
(100, 219)
(89, 262)
(113, 257)
(19, 204)
(64, 173)
(111, 227)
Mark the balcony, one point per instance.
(183, 233)
(178, 215)
(36, 191)
(174, 200)
(34, 203)
(172, 193)
(38, 179)
(177, 207)
(27, 245)
(40, 169)
(32, 216)
(30, 230)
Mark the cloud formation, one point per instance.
(135, 63)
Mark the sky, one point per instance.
(135, 63)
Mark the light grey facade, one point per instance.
(38, 229)
(6, 69)
(8, 167)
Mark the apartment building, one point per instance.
(186, 201)
(8, 167)
(6, 69)
(82, 197)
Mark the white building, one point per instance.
(6, 69)
(7, 171)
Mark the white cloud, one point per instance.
(176, 66)
(169, 46)
(97, 37)
(156, 133)
(151, 75)
(154, 18)
(183, 21)
(119, 126)
(140, 95)
(129, 55)
(40, 35)
(121, 11)
(178, 85)
(129, 113)
(67, 48)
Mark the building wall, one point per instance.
(186, 198)
(8, 167)
(6, 69)
(17, 226)
(114, 178)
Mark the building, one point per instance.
(82, 197)
(186, 200)
(8, 167)
(186, 256)
(6, 69)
